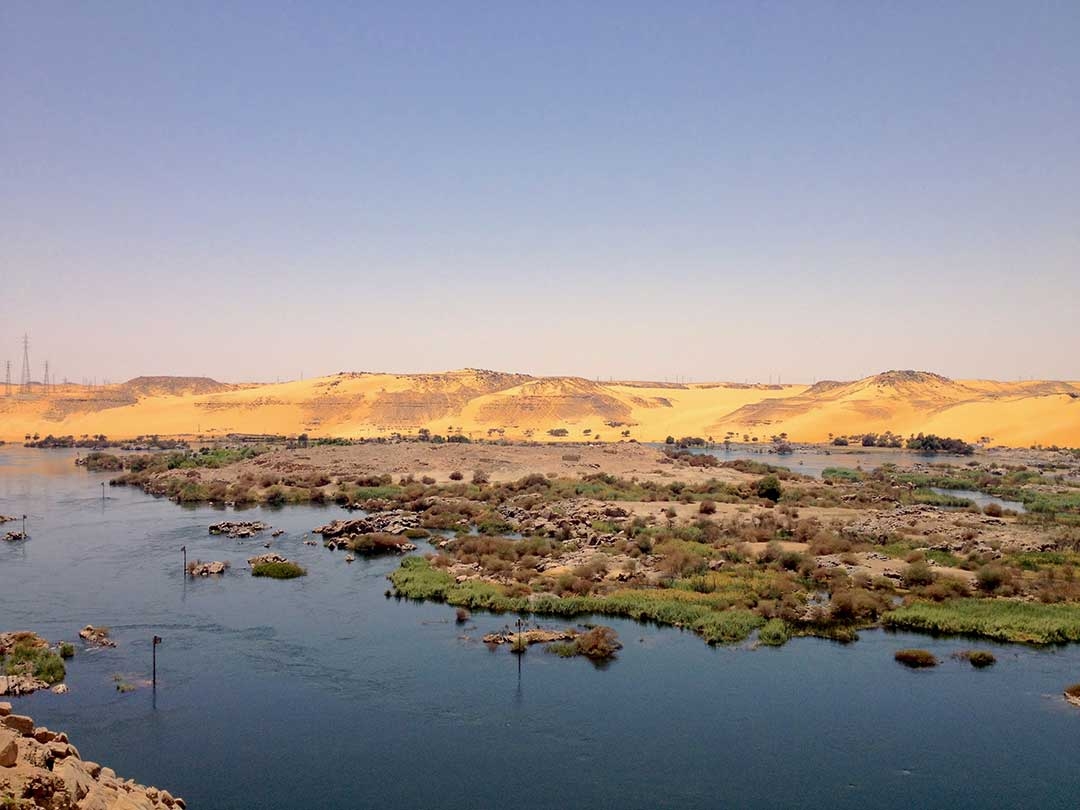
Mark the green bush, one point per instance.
(30, 658)
(769, 488)
(918, 573)
(989, 578)
(278, 570)
(774, 633)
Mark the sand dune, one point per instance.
(483, 404)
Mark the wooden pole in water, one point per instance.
(103, 492)
(157, 640)
(184, 549)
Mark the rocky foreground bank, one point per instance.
(40, 768)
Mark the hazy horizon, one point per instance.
(718, 193)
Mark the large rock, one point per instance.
(205, 569)
(98, 636)
(20, 684)
(43, 735)
(9, 753)
(5, 709)
(77, 781)
(396, 521)
(20, 723)
(238, 528)
(50, 774)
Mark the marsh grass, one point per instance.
(997, 619)
(29, 657)
(774, 633)
(278, 570)
(709, 615)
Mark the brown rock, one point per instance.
(92, 768)
(61, 750)
(20, 723)
(100, 797)
(5, 709)
(8, 754)
(77, 781)
(43, 735)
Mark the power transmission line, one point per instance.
(24, 381)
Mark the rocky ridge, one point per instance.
(41, 768)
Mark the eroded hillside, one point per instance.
(489, 404)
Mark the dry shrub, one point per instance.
(678, 563)
(852, 605)
(915, 658)
(598, 643)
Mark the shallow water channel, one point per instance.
(322, 692)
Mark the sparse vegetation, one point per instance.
(980, 659)
(600, 643)
(916, 659)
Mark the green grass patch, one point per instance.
(841, 474)
(774, 633)
(27, 658)
(931, 498)
(709, 615)
(997, 619)
(278, 570)
(1037, 560)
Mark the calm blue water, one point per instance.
(981, 499)
(322, 692)
(813, 462)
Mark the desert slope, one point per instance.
(489, 404)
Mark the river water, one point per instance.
(321, 692)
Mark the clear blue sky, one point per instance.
(712, 190)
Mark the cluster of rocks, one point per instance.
(16, 685)
(952, 531)
(617, 568)
(23, 683)
(263, 559)
(535, 636)
(395, 521)
(238, 528)
(571, 520)
(375, 533)
(12, 536)
(97, 636)
(7, 518)
(205, 569)
(41, 768)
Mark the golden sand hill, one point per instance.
(518, 406)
